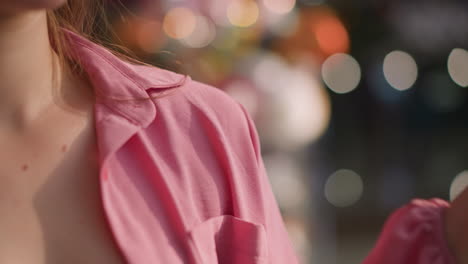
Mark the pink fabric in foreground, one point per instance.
(414, 234)
(182, 178)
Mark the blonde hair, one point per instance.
(87, 18)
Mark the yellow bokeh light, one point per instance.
(243, 13)
(179, 22)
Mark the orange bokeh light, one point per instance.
(179, 22)
(331, 35)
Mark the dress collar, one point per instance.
(115, 78)
(117, 121)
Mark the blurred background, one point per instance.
(360, 105)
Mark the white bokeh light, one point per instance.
(295, 106)
(344, 188)
(400, 70)
(279, 6)
(458, 66)
(203, 34)
(243, 92)
(266, 67)
(459, 183)
(341, 73)
(286, 179)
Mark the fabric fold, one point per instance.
(414, 234)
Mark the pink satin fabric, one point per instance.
(414, 234)
(182, 177)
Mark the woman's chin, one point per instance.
(25, 5)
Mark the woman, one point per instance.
(179, 177)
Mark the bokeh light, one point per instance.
(286, 180)
(459, 183)
(179, 22)
(203, 34)
(306, 109)
(279, 6)
(344, 188)
(341, 73)
(217, 12)
(458, 66)
(266, 67)
(400, 70)
(381, 89)
(297, 107)
(331, 35)
(243, 91)
(243, 13)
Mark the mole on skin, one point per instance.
(25, 166)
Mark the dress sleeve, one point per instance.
(279, 246)
(414, 234)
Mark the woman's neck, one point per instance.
(26, 69)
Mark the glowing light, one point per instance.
(306, 109)
(179, 22)
(217, 12)
(400, 70)
(341, 73)
(286, 180)
(331, 35)
(267, 66)
(279, 6)
(459, 183)
(458, 66)
(243, 13)
(243, 91)
(344, 188)
(298, 108)
(203, 34)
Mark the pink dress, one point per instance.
(414, 234)
(183, 181)
(182, 178)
